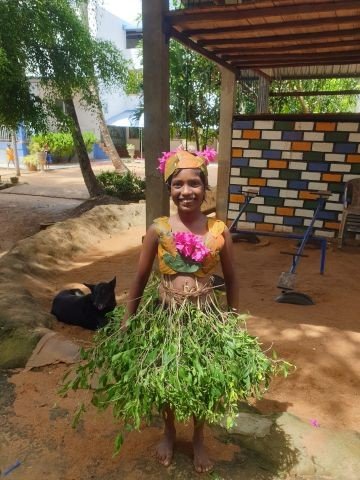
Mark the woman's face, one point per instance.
(187, 189)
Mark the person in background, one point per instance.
(10, 155)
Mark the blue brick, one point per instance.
(345, 147)
(269, 192)
(239, 162)
(298, 184)
(255, 217)
(318, 167)
(292, 136)
(294, 221)
(243, 124)
(325, 215)
(235, 189)
(276, 154)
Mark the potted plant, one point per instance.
(131, 150)
(31, 162)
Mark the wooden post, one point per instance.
(262, 102)
(156, 105)
(227, 106)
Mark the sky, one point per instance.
(125, 9)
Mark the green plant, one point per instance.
(130, 146)
(31, 159)
(127, 186)
(60, 144)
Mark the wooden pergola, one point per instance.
(269, 39)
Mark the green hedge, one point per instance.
(126, 186)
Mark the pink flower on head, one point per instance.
(314, 423)
(162, 160)
(190, 246)
(209, 154)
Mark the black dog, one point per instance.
(88, 311)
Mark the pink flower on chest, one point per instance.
(191, 246)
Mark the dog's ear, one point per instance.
(90, 286)
(112, 282)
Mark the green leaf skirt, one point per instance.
(198, 362)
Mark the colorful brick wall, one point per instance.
(285, 156)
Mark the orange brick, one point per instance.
(304, 195)
(332, 225)
(287, 211)
(301, 146)
(251, 134)
(332, 177)
(258, 182)
(237, 152)
(277, 164)
(353, 158)
(237, 198)
(268, 227)
(325, 126)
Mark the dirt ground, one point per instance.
(321, 340)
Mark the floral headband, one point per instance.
(171, 161)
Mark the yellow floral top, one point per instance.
(171, 263)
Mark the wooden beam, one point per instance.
(272, 27)
(229, 12)
(206, 53)
(314, 93)
(287, 48)
(298, 63)
(244, 59)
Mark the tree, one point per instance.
(109, 144)
(48, 40)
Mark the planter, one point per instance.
(14, 180)
(31, 167)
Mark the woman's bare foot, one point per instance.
(165, 448)
(202, 462)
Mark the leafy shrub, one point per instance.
(31, 160)
(127, 186)
(60, 144)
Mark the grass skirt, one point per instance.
(199, 362)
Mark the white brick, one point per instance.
(335, 157)
(354, 137)
(240, 143)
(271, 135)
(246, 225)
(314, 176)
(237, 133)
(273, 219)
(235, 172)
(317, 186)
(283, 229)
(304, 126)
(317, 224)
(274, 145)
(293, 203)
(258, 200)
(288, 193)
(238, 181)
(335, 197)
(334, 206)
(346, 178)
(270, 173)
(325, 233)
(297, 165)
(313, 136)
(340, 167)
(302, 212)
(254, 162)
(292, 155)
(322, 147)
(252, 153)
(263, 124)
(232, 215)
(266, 209)
(277, 183)
(234, 206)
(347, 127)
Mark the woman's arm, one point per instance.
(230, 277)
(148, 253)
